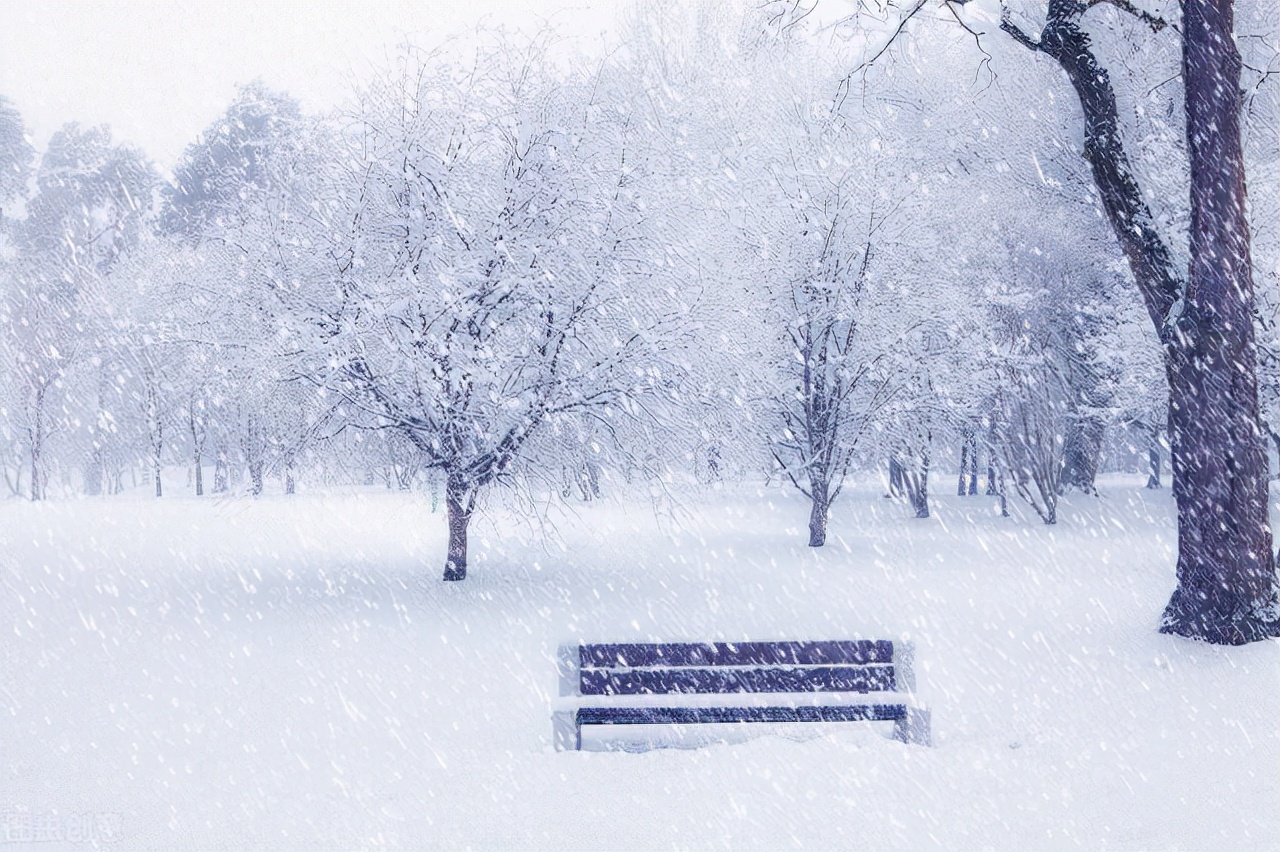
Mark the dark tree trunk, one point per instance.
(1228, 591)
(968, 483)
(993, 488)
(973, 464)
(199, 475)
(290, 485)
(1081, 453)
(255, 477)
(1227, 584)
(895, 478)
(459, 501)
(819, 512)
(918, 489)
(1153, 460)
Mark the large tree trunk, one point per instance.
(1228, 591)
(1227, 585)
(459, 502)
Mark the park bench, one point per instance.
(686, 683)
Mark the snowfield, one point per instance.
(291, 672)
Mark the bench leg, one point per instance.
(913, 728)
(567, 733)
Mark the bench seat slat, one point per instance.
(730, 680)
(631, 655)
(700, 715)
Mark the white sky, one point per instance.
(160, 71)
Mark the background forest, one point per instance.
(743, 244)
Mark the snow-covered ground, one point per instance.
(291, 672)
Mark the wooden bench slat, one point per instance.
(633, 655)
(700, 715)
(728, 680)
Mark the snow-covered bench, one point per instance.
(719, 682)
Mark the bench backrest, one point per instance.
(862, 665)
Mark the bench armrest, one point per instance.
(567, 666)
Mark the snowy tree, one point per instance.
(89, 208)
(228, 185)
(16, 155)
(486, 282)
(1228, 585)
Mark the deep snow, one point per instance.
(291, 672)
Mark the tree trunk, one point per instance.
(1081, 453)
(918, 490)
(198, 436)
(1228, 590)
(290, 485)
(94, 473)
(37, 491)
(35, 434)
(255, 477)
(969, 465)
(973, 464)
(220, 476)
(819, 512)
(895, 478)
(993, 489)
(459, 502)
(1153, 460)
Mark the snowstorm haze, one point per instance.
(795, 423)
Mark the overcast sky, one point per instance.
(159, 71)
